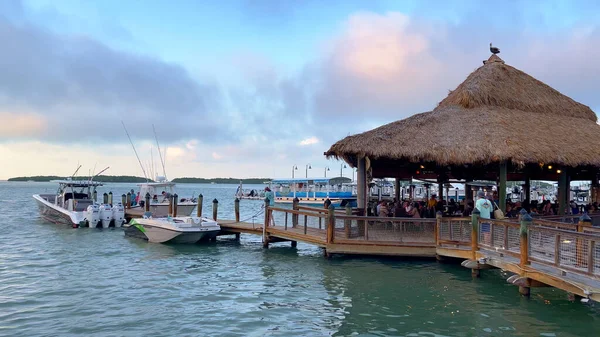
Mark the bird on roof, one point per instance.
(494, 50)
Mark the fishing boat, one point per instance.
(159, 202)
(313, 191)
(75, 204)
(184, 229)
(251, 194)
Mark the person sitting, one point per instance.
(382, 209)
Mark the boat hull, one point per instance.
(163, 231)
(55, 214)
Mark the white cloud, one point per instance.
(310, 141)
(217, 156)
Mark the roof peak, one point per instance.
(494, 59)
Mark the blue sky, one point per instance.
(251, 88)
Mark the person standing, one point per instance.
(269, 195)
(484, 206)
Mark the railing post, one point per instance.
(347, 222)
(215, 208)
(267, 215)
(237, 209)
(331, 224)
(199, 206)
(147, 202)
(438, 224)
(295, 203)
(175, 197)
(474, 232)
(524, 243)
(584, 221)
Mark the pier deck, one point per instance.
(560, 255)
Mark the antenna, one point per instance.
(160, 153)
(136, 154)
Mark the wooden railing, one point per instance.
(452, 232)
(499, 235)
(414, 231)
(297, 221)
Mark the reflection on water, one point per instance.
(62, 281)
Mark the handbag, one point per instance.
(498, 214)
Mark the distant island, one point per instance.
(101, 178)
(133, 179)
(188, 180)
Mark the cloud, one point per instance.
(76, 82)
(309, 141)
(22, 125)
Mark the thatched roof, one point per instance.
(498, 113)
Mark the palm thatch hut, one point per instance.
(499, 124)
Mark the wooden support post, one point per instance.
(170, 213)
(362, 188)
(526, 289)
(105, 197)
(527, 190)
(147, 202)
(237, 209)
(175, 197)
(582, 257)
(215, 208)
(397, 190)
(110, 198)
(438, 223)
(468, 193)
(267, 220)
(474, 232)
(502, 186)
(294, 244)
(295, 205)
(123, 199)
(563, 192)
(331, 224)
(305, 223)
(95, 197)
(524, 243)
(347, 222)
(199, 206)
(440, 191)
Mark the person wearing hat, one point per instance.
(484, 206)
(269, 195)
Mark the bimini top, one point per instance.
(78, 183)
(326, 180)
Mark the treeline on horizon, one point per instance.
(134, 179)
(190, 180)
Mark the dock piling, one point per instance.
(110, 198)
(265, 235)
(199, 206)
(295, 204)
(123, 200)
(215, 208)
(175, 197)
(474, 237)
(95, 196)
(237, 209)
(147, 202)
(170, 207)
(105, 198)
(526, 220)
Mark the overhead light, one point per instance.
(422, 166)
(558, 171)
(549, 167)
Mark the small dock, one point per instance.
(539, 252)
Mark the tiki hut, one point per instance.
(499, 124)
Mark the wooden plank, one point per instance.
(336, 248)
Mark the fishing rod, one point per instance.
(136, 154)
(160, 153)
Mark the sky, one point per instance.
(255, 88)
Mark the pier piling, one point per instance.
(215, 208)
(265, 235)
(127, 201)
(237, 209)
(474, 237)
(123, 200)
(110, 198)
(175, 197)
(105, 198)
(147, 202)
(199, 206)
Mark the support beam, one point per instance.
(397, 189)
(361, 181)
(502, 186)
(527, 190)
(563, 193)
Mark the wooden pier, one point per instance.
(539, 252)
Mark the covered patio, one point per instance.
(499, 125)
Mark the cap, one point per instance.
(481, 194)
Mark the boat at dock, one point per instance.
(186, 229)
(314, 191)
(159, 203)
(75, 204)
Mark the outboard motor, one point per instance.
(105, 215)
(92, 215)
(118, 214)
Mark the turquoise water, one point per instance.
(58, 281)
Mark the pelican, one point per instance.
(494, 50)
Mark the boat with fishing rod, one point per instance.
(75, 204)
(160, 191)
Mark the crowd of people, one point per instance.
(485, 203)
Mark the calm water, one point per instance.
(58, 281)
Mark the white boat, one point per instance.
(251, 194)
(159, 203)
(73, 204)
(184, 229)
(314, 191)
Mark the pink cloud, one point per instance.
(22, 124)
